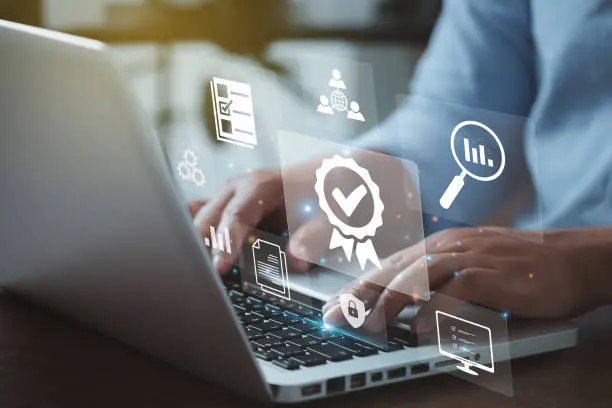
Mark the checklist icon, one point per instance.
(234, 118)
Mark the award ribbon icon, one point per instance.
(345, 236)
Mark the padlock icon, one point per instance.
(352, 309)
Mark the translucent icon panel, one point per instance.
(355, 212)
(474, 165)
(467, 341)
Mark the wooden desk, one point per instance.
(46, 361)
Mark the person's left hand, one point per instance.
(530, 274)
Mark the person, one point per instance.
(510, 57)
(324, 106)
(354, 112)
(336, 80)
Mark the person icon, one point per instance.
(336, 80)
(324, 106)
(354, 112)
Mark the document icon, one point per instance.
(233, 107)
(270, 265)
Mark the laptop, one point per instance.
(94, 227)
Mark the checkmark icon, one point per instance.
(349, 204)
(225, 107)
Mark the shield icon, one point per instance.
(353, 310)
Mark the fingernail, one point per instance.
(298, 249)
(297, 262)
(330, 304)
(333, 316)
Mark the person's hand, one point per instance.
(502, 269)
(257, 199)
(242, 203)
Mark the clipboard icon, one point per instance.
(234, 114)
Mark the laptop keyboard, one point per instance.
(289, 335)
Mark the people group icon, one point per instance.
(338, 101)
(336, 80)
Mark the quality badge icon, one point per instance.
(347, 237)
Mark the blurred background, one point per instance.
(170, 49)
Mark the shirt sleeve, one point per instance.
(481, 57)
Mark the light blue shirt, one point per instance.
(548, 60)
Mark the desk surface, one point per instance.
(48, 361)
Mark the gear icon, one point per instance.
(189, 170)
(185, 171)
(376, 222)
(198, 178)
(190, 158)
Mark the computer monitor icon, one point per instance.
(465, 342)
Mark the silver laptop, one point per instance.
(94, 227)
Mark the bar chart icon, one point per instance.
(219, 240)
(476, 155)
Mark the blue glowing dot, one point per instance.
(322, 261)
(459, 243)
(456, 273)
(230, 165)
(306, 208)
(235, 270)
(327, 326)
(505, 315)
(429, 258)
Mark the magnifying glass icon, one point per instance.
(455, 186)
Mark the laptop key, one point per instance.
(232, 286)
(239, 308)
(287, 364)
(267, 342)
(255, 336)
(305, 341)
(235, 295)
(304, 327)
(309, 359)
(286, 320)
(250, 318)
(286, 334)
(253, 333)
(267, 325)
(304, 311)
(265, 355)
(331, 352)
(287, 350)
(353, 347)
(392, 346)
(324, 335)
(404, 337)
(270, 313)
